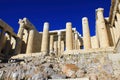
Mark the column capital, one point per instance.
(84, 18)
(99, 10)
(76, 32)
(22, 24)
(46, 25)
(20, 21)
(59, 33)
(68, 24)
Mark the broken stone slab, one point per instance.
(69, 70)
(49, 71)
(114, 57)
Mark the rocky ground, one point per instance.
(93, 66)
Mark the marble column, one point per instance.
(118, 17)
(30, 44)
(69, 37)
(51, 43)
(45, 37)
(79, 44)
(117, 27)
(94, 42)
(116, 31)
(20, 32)
(86, 33)
(59, 43)
(8, 45)
(2, 36)
(101, 26)
(62, 46)
(73, 41)
(17, 46)
(21, 29)
(56, 47)
(119, 7)
(20, 35)
(76, 40)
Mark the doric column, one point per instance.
(56, 47)
(119, 7)
(59, 43)
(17, 46)
(20, 35)
(86, 33)
(51, 43)
(73, 41)
(8, 44)
(118, 17)
(116, 31)
(62, 46)
(79, 44)
(94, 42)
(2, 36)
(45, 37)
(30, 44)
(101, 27)
(69, 37)
(21, 28)
(76, 40)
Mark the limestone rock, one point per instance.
(69, 70)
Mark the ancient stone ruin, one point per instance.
(64, 53)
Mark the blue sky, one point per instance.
(56, 12)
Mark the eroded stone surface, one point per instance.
(97, 66)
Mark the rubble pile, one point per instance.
(93, 66)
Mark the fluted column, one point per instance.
(20, 36)
(69, 37)
(94, 42)
(2, 36)
(79, 44)
(86, 33)
(45, 37)
(17, 46)
(101, 26)
(73, 41)
(62, 46)
(8, 44)
(59, 43)
(30, 44)
(117, 25)
(76, 40)
(119, 7)
(116, 31)
(118, 17)
(21, 29)
(51, 43)
(56, 47)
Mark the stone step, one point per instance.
(71, 79)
